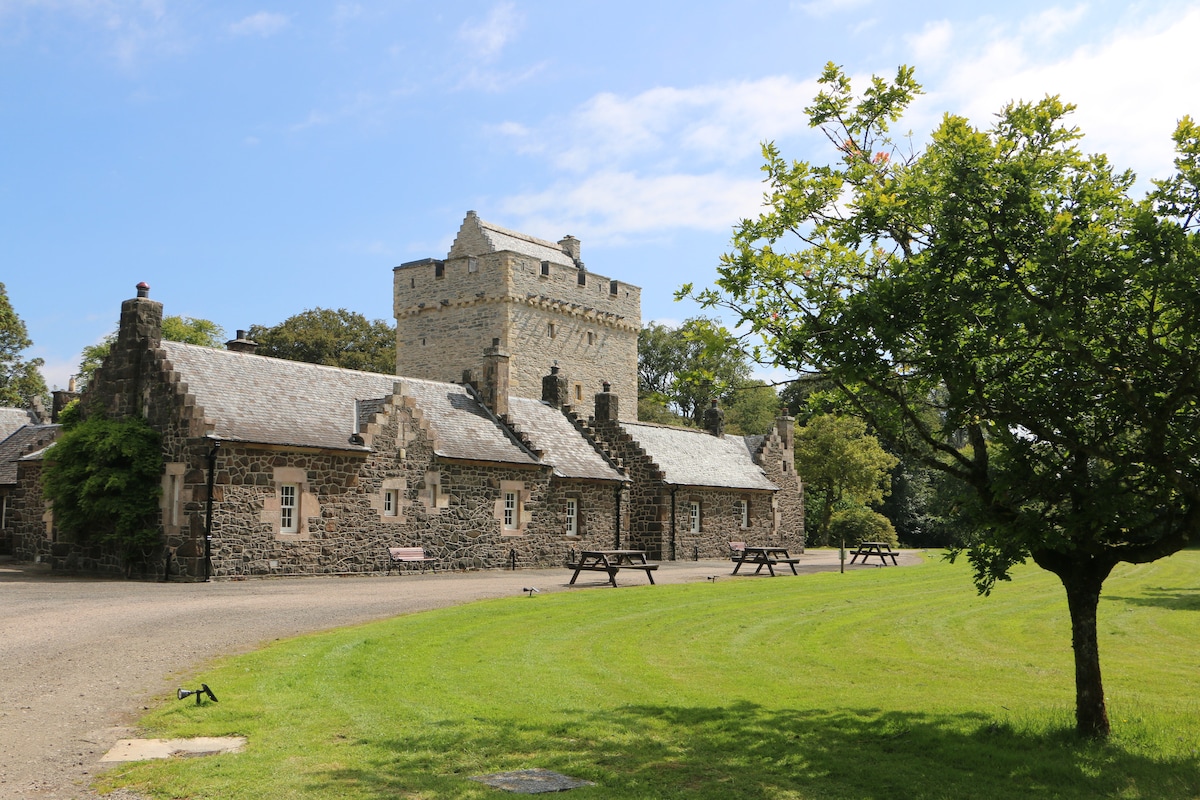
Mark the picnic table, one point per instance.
(762, 556)
(868, 549)
(612, 562)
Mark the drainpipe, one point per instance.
(674, 489)
(617, 521)
(212, 468)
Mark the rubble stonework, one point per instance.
(479, 474)
(531, 294)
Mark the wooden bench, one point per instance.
(868, 549)
(736, 550)
(409, 555)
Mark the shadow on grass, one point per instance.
(748, 751)
(1175, 599)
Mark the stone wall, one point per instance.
(777, 458)
(448, 313)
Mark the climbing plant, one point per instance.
(103, 478)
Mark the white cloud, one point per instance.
(610, 207)
(263, 24)
(931, 44)
(714, 124)
(125, 29)
(1131, 86)
(488, 38)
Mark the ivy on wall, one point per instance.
(103, 477)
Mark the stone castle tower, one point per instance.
(534, 296)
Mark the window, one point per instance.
(582, 278)
(591, 337)
(289, 508)
(389, 502)
(612, 286)
(572, 517)
(439, 270)
(472, 264)
(545, 269)
(743, 509)
(579, 393)
(510, 510)
(694, 516)
(550, 329)
(173, 499)
(3, 511)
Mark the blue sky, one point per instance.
(253, 160)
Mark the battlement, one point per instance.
(537, 297)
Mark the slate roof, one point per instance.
(21, 443)
(690, 457)
(13, 418)
(563, 447)
(539, 249)
(263, 400)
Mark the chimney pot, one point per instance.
(143, 289)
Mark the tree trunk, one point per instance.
(1083, 578)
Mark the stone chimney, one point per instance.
(241, 344)
(554, 388)
(495, 378)
(60, 398)
(606, 405)
(714, 420)
(786, 426)
(141, 321)
(572, 247)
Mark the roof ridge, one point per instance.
(488, 226)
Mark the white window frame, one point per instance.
(572, 507)
(289, 508)
(510, 511)
(744, 511)
(694, 516)
(3, 511)
(390, 498)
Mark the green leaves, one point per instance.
(103, 479)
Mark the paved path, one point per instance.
(80, 659)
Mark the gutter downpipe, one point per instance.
(674, 489)
(208, 504)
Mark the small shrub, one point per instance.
(861, 525)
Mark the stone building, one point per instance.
(484, 450)
(22, 435)
(694, 491)
(535, 296)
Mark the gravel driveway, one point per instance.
(81, 658)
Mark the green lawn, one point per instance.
(883, 683)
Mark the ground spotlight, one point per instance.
(203, 690)
(532, 590)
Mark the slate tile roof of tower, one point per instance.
(263, 400)
(499, 239)
(690, 457)
(549, 430)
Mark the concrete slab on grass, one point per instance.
(531, 781)
(146, 749)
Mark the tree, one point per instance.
(852, 526)
(842, 466)
(751, 407)
(190, 330)
(690, 366)
(335, 338)
(1001, 286)
(21, 380)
